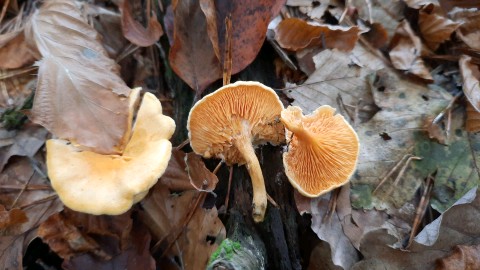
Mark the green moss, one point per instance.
(14, 118)
(226, 250)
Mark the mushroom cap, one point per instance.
(323, 151)
(239, 109)
(109, 184)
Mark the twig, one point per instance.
(180, 146)
(384, 178)
(272, 201)
(219, 165)
(230, 176)
(402, 172)
(227, 60)
(44, 200)
(421, 208)
(332, 205)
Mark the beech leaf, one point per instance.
(250, 20)
(435, 28)
(471, 76)
(192, 56)
(80, 96)
(295, 34)
(135, 32)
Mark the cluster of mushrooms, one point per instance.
(227, 124)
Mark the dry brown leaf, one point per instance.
(15, 53)
(470, 76)
(472, 123)
(468, 31)
(27, 142)
(434, 130)
(192, 56)
(296, 34)
(462, 257)
(463, 4)
(37, 203)
(11, 217)
(250, 20)
(179, 219)
(435, 28)
(66, 240)
(406, 52)
(13, 248)
(135, 32)
(200, 177)
(417, 4)
(377, 35)
(135, 256)
(80, 95)
(386, 12)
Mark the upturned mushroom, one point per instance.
(323, 150)
(228, 123)
(94, 183)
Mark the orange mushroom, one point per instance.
(323, 150)
(228, 123)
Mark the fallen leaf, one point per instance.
(200, 177)
(249, 27)
(469, 19)
(377, 35)
(179, 219)
(135, 32)
(462, 257)
(435, 28)
(13, 248)
(375, 246)
(66, 240)
(330, 229)
(135, 256)
(169, 24)
(336, 75)
(470, 76)
(37, 204)
(27, 142)
(473, 119)
(11, 217)
(417, 4)
(406, 51)
(78, 85)
(192, 56)
(296, 34)
(15, 53)
(387, 13)
(435, 130)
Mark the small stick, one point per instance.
(227, 61)
(421, 208)
(272, 201)
(43, 200)
(402, 172)
(180, 146)
(228, 188)
(22, 190)
(219, 165)
(28, 187)
(332, 205)
(391, 172)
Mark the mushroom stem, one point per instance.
(244, 146)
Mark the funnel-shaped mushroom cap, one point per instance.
(241, 108)
(323, 151)
(109, 184)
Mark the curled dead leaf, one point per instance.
(435, 28)
(468, 31)
(470, 76)
(406, 52)
(296, 34)
(462, 257)
(14, 51)
(377, 35)
(135, 32)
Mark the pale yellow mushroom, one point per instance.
(110, 184)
